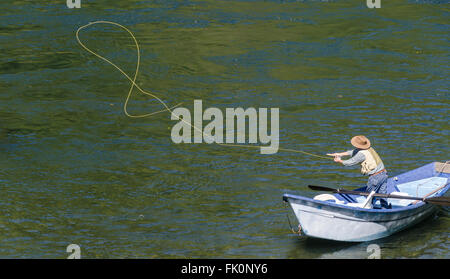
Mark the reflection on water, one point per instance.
(75, 169)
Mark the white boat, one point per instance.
(343, 217)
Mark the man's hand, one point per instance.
(337, 159)
(338, 154)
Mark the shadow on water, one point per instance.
(424, 237)
(324, 245)
(306, 247)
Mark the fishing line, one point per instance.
(166, 107)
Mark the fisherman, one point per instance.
(371, 165)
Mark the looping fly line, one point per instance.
(166, 107)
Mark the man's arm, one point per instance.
(346, 153)
(357, 159)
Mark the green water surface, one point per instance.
(75, 169)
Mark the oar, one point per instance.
(444, 201)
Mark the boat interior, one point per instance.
(427, 181)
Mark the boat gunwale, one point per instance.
(428, 209)
(331, 205)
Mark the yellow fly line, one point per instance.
(166, 107)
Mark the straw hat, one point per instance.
(360, 142)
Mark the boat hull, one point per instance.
(339, 221)
(319, 220)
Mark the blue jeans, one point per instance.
(378, 183)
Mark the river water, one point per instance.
(75, 169)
